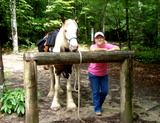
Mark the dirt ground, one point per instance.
(146, 99)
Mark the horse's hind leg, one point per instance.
(55, 103)
(70, 103)
(46, 49)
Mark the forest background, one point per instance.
(135, 23)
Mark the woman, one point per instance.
(98, 73)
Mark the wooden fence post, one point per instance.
(30, 82)
(126, 91)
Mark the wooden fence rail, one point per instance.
(31, 60)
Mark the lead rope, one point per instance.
(76, 76)
(79, 96)
(77, 68)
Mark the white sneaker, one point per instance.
(98, 113)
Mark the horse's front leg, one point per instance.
(55, 103)
(70, 103)
(52, 82)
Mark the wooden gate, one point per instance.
(31, 60)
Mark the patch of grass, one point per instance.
(13, 101)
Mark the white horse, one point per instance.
(66, 41)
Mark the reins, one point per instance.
(78, 90)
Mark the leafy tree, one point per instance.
(25, 22)
(58, 9)
(36, 17)
(144, 22)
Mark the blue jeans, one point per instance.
(100, 88)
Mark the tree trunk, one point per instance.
(127, 25)
(1, 67)
(14, 25)
(104, 16)
(92, 35)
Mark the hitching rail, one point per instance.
(31, 60)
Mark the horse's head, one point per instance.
(70, 31)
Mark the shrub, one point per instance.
(13, 100)
(148, 56)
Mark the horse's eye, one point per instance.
(65, 30)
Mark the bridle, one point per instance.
(71, 39)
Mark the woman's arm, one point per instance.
(114, 48)
(105, 49)
(97, 49)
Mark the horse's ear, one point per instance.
(76, 19)
(62, 19)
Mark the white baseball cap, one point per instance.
(99, 33)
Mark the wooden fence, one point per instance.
(31, 60)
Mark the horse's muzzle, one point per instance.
(73, 45)
(73, 48)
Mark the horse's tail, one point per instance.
(40, 45)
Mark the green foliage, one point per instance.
(144, 22)
(13, 100)
(58, 8)
(25, 17)
(146, 54)
(35, 18)
(150, 56)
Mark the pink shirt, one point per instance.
(99, 69)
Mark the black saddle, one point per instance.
(49, 40)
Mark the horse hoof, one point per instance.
(55, 108)
(72, 107)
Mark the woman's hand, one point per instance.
(114, 48)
